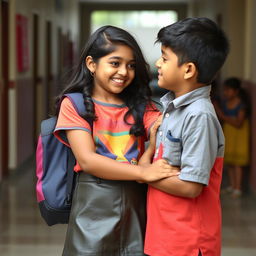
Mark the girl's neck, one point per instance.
(110, 99)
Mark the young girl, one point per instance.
(234, 115)
(108, 207)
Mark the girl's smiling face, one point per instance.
(113, 72)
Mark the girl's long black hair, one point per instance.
(101, 43)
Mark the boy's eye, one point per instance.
(164, 59)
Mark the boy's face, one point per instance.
(170, 75)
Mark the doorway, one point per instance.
(35, 76)
(48, 62)
(4, 90)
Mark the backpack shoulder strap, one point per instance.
(78, 102)
(48, 126)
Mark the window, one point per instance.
(143, 25)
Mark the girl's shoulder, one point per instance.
(66, 104)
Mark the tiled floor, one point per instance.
(23, 232)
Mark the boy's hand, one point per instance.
(160, 169)
(153, 131)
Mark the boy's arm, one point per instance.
(200, 149)
(177, 187)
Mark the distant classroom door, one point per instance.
(4, 90)
(49, 76)
(35, 76)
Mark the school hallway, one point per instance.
(24, 233)
(40, 42)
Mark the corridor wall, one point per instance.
(43, 37)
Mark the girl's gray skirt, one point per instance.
(107, 218)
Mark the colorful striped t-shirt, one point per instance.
(110, 131)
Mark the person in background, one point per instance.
(233, 113)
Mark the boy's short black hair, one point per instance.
(197, 40)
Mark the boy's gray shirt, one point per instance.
(190, 134)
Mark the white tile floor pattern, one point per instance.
(23, 232)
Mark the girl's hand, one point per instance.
(160, 169)
(153, 131)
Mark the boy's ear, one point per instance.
(190, 70)
(90, 64)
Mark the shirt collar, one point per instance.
(199, 93)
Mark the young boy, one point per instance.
(184, 213)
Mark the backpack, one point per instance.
(55, 169)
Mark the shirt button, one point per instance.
(167, 115)
(160, 133)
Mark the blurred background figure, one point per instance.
(233, 111)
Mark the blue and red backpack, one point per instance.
(55, 163)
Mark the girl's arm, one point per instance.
(83, 147)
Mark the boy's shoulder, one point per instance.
(196, 101)
(200, 113)
(201, 109)
(202, 105)
(188, 94)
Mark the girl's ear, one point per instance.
(90, 64)
(190, 70)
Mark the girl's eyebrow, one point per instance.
(118, 58)
(115, 57)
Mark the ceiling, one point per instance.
(133, 1)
